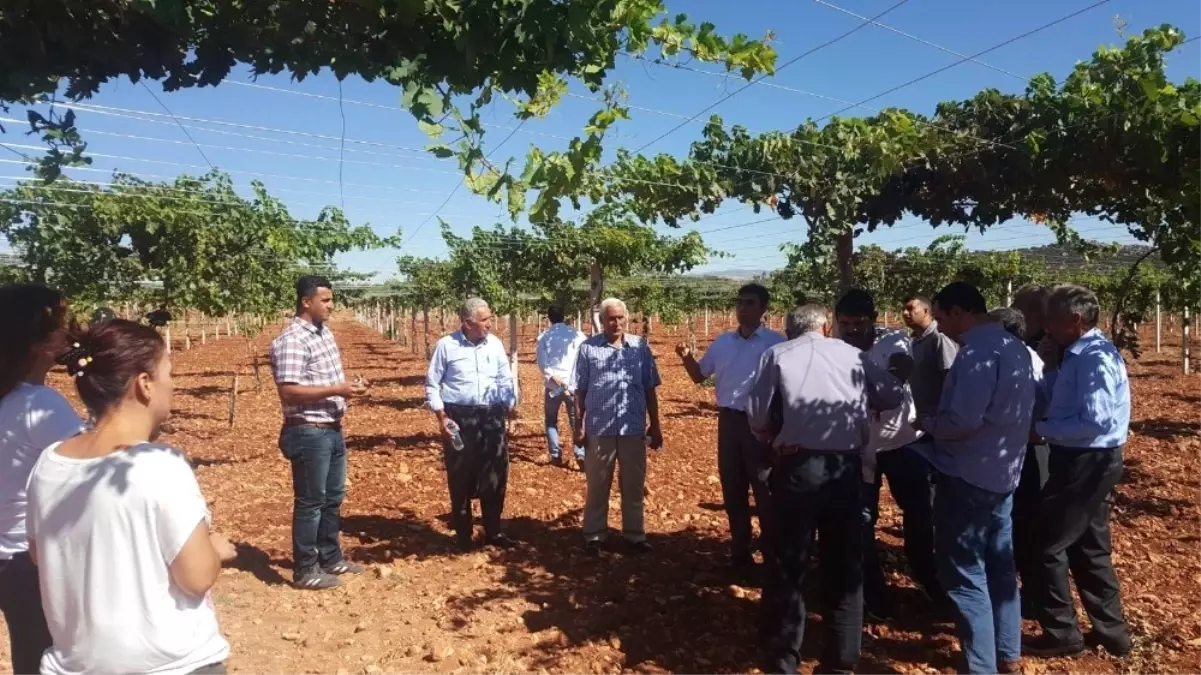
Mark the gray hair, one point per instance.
(804, 319)
(1069, 299)
(471, 307)
(613, 302)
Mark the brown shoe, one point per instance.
(1009, 667)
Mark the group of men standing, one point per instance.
(1000, 435)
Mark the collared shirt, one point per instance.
(892, 429)
(983, 420)
(308, 355)
(734, 361)
(466, 373)
(1090, 396)
(933, 354)
(815, 392)
(614, 382)
(558, 347)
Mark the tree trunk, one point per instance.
(425, 312)
(596, 293)
(844, 247)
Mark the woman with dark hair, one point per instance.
(32, 416)
(118, 526)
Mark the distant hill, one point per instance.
(1061, 257)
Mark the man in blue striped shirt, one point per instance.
(1086, 426)
(615, 381)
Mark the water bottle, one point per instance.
(456, 440)
(556, 392)
(648, 440)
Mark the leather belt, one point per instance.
(336, 426)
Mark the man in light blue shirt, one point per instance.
(980, 433)
(557, 349)
(469, 388)
(743, 461)
(1086, 426)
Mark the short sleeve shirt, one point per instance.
(308, 355)
(734, 361)
(614, 382)
(107, 530)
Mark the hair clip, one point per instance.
(76, 360)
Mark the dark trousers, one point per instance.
(1075, 539)
(1027, 502)
(744, 465)
(480, 469)
(21, 602)
(908, 475)
(318, 457)
(815, 494)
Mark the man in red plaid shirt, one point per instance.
(313, 391)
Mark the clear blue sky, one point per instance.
(393, 188)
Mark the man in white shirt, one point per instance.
(743, 462)
(558, 347)
(888, 455)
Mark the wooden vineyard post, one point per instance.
(1158, 321)
(596, 284)
(1184, 337)
(706, 323)
(1009, 293)
(233, 401)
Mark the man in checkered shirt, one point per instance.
(615, 381)
(313, 392)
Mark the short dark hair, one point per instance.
(856, 302)
(114, 352)
(962, 295)
(759, 291)
(920, 298)
(1012, 320)
(555, 314)
(1075, 300)
(306, 286)
(33, 314)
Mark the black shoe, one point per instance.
(1118, 646)
(463, 542)
(344, 567)
(643, 546)
(556, 461)
(594, 547)
(741, 562)
(1047, 647)
(501, 540)
(314, 580)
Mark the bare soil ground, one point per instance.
(543, 606)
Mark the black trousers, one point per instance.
(21, 602)
(815, 495)
(908, 475)
(744, 465)
(480, 469)
(1075, 539)
(1027, 505)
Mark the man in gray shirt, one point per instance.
(811, 401)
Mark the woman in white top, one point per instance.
(32, 416)
(118, 527)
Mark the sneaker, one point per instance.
(1044, 646)
(315, 580)
(344, 567)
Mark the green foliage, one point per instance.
(194, 242)
(449, 59)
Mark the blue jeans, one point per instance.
(973, 532)
(318, 457)
(551, 405)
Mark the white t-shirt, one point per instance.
(106, 532)
(557, 350)
(890, 429)
(31, 418)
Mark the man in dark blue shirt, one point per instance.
(1086, 426)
